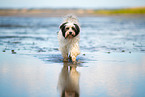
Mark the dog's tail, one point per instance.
(71, 18)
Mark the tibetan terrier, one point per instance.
(68, 37)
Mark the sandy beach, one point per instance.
(45, 12)
(24, 12)
(111, 63)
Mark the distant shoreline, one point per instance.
(139, 11)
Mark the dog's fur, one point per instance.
(68, 37)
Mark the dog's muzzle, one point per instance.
(70, 33)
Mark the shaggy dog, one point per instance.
(68, 37)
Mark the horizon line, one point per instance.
(74, 8)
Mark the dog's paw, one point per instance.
(65, 60)
(73, 58)
(74, 62)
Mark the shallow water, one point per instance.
(98, 34)
(111, 63)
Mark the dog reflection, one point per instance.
(68, 83)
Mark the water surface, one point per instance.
(111, 63)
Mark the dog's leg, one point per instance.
(64, 53)
(73, 54)
(65, 56)
(73, 58)
(75, 51)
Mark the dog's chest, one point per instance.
(69, 43)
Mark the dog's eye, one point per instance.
(73, 28)
(67, 28)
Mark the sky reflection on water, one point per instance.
(26, 76)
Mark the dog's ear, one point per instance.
(62, 25)
(77, 29)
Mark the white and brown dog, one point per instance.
(68, 37)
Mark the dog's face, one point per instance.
(69, 30)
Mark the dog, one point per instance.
(68, 37)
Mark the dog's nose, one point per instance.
(70, 32)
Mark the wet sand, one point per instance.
(107, 75)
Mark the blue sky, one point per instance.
(70, 3)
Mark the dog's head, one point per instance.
(69, 30)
